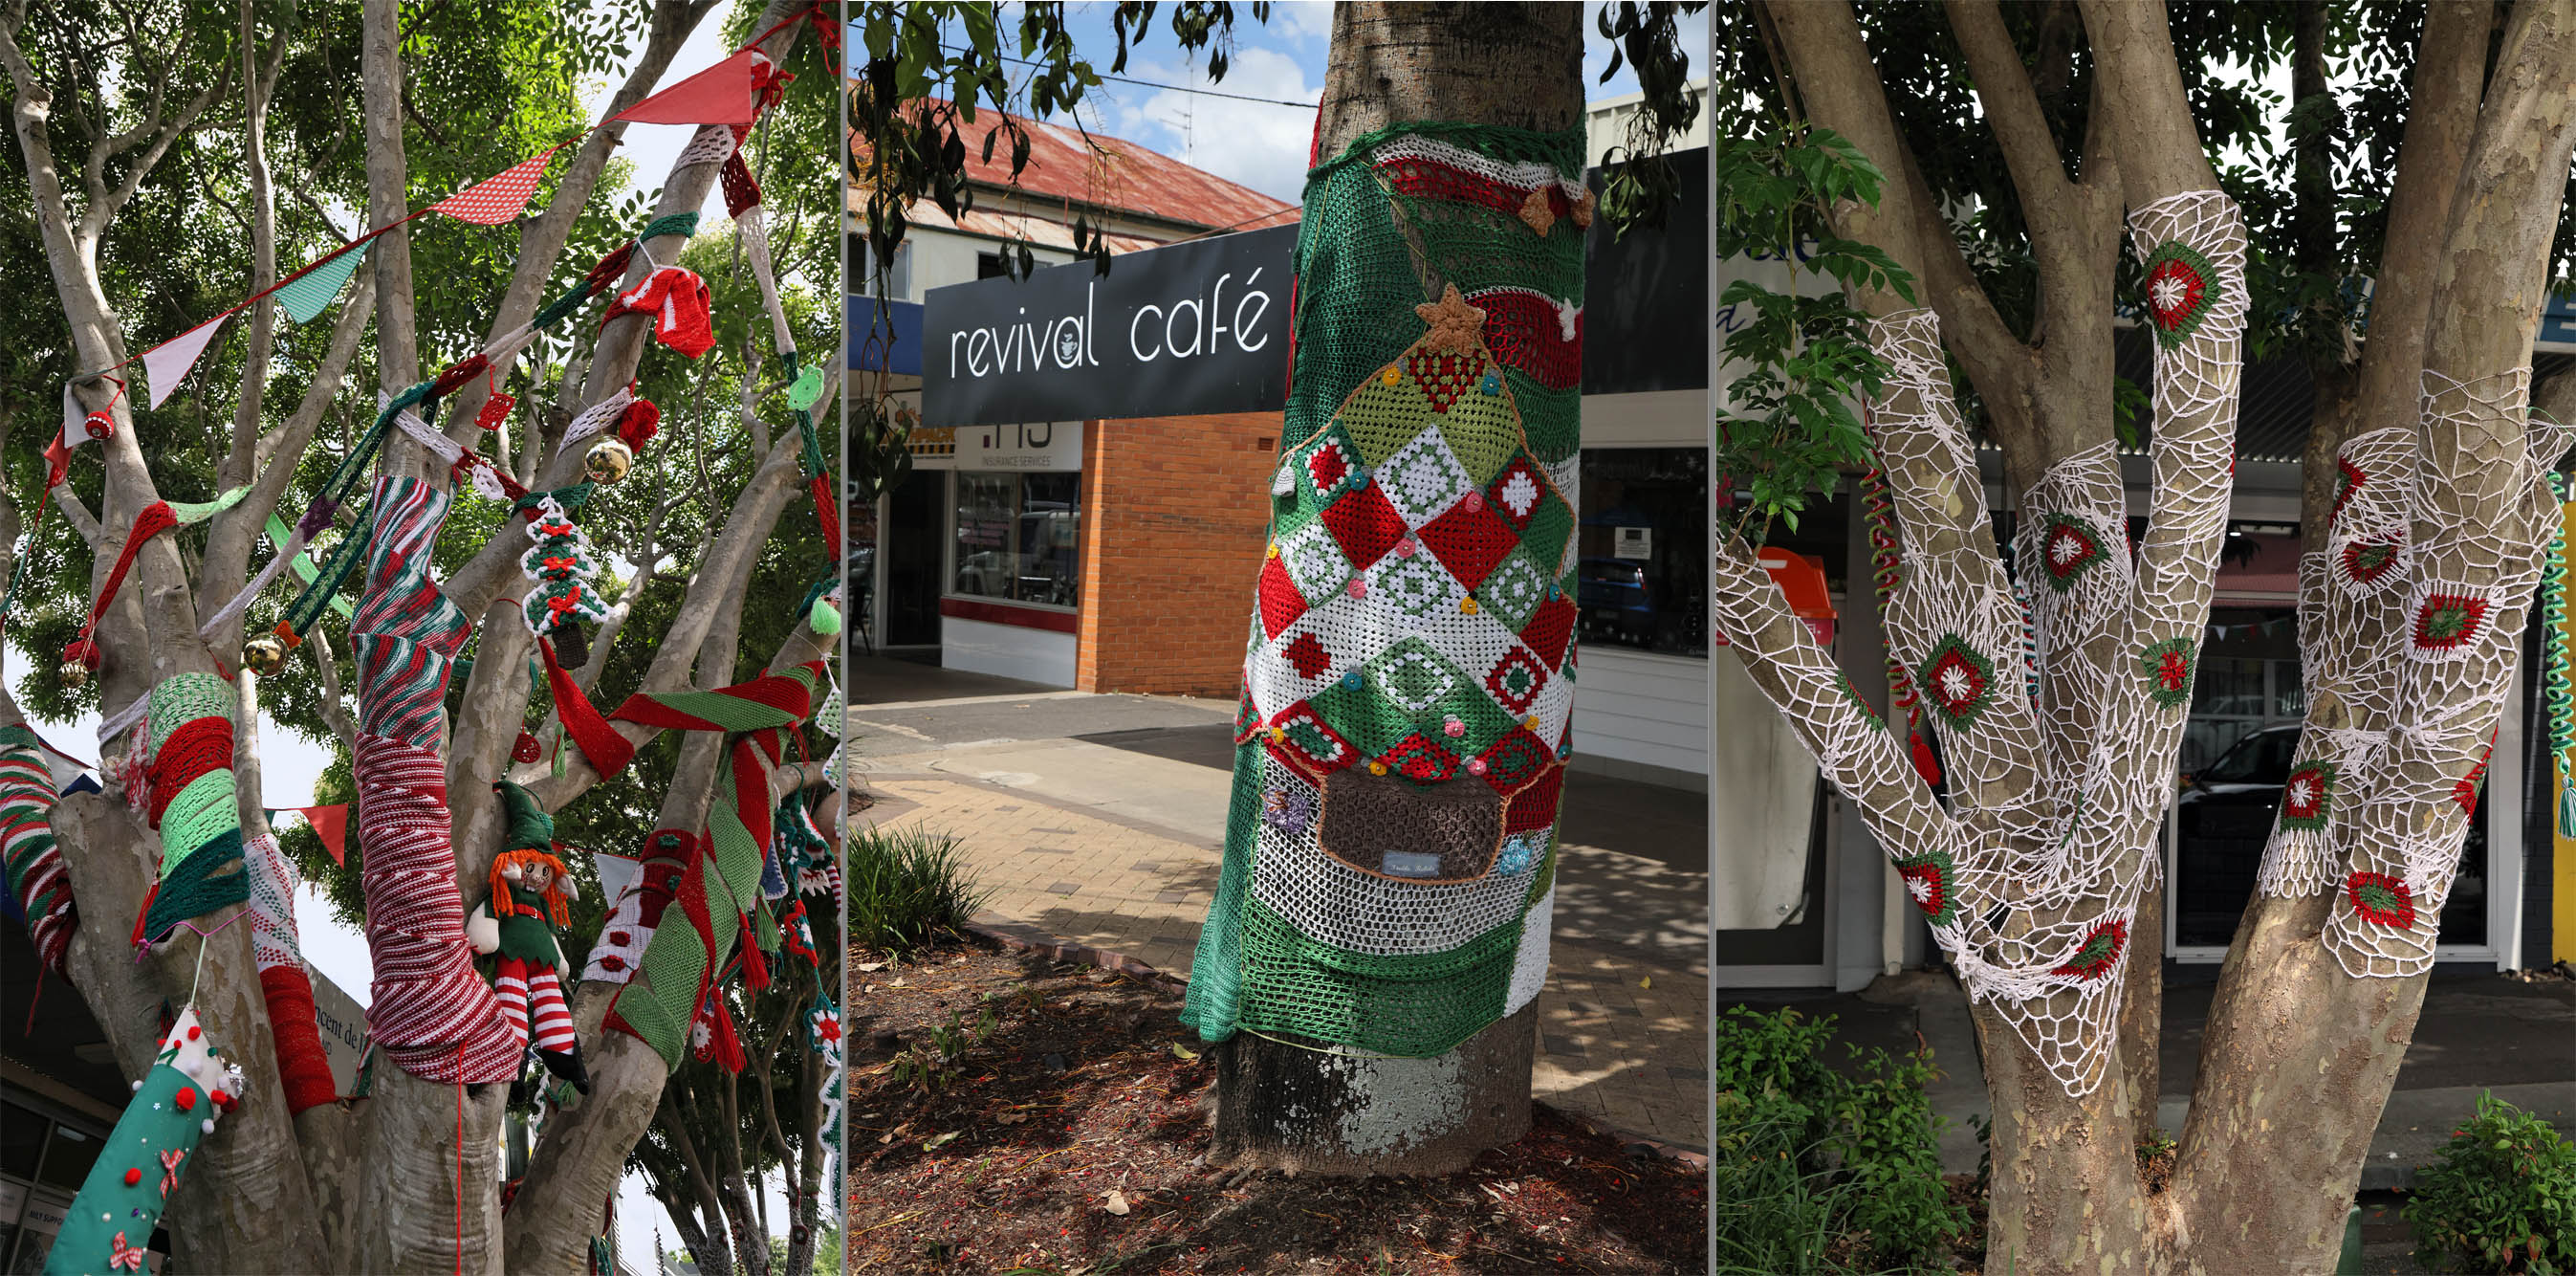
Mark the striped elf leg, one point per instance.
(552, 1019)
(510, 984)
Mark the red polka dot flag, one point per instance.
(500, 197)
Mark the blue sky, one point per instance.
(1259, 144)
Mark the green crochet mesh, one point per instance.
(1216, 970)
(1414, 1006)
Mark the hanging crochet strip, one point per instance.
(37, 878)
(302, 1065)
(1391, 845)
(430, 1013)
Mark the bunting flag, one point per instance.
(330, 823)
(167, 364)
(500, 197)
(314, 288)
(721, 94)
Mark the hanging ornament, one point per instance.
(559, 568)
(522, 921)
(80, 659)
(100, 426)
(496, 410)
(264, 655)
(175, 1106)
(525, 750)
(609, 461)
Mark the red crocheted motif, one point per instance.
(2381, 900)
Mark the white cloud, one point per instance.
(1258, 144)
(1302, 19)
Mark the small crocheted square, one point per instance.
(2307, 797)
(1513, 590)
(2069, 547)
(1958, 681)
(2099, 952)
(2179, 281)
(1513, 761)
(2368, 562)
(1412, 675)
(2449, 623)
(1306, 654)
(1515, 680)
(1423, 479)
(1517, 491)
(1315, 561)
(1550, 631)
(1281, 602)
(1931, 882)
(1299, 736)
(1533, 807)
(1384, 414)
(2381, 900)
(2169, 666)
(1414, 582)
(1416, 758)
(1364, 525)
(1469, 539)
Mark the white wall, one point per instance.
(1007, 651)
(1642, 708)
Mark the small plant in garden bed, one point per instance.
(1817, 1170)
(907, 887)
(2500, 1197)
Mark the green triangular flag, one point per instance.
(313, 291)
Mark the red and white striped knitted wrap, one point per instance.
(431, 1013)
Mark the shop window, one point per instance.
(1018, 537)
(68, 1155)
(22, 1141)
(1642, 550)
(863, 279)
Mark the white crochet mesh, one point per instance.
(2437, 664)
(1330, 900)
(2031, 881)
(272, 902)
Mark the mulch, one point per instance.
(1004, 1107)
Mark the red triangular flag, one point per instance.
(500, 197)
(721, 94)
(332, 823)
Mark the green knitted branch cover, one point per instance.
(719, 889)
(190, 730)
(1409, 671)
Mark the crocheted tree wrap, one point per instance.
(37, 877)
(2168, 667)
(302, 1064)
(190, 735)
(561, 568)
(430, 1013)
(719, 887)
(174, 1107)
(2179, 281)
(1409, 673)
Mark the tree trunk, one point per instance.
(1290, 1105)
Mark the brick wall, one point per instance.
(1175, 511)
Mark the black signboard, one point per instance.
(1189, 328)
(1202, 326)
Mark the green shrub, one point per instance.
(1817, 1170)
(2501, 1196)
(907, 886)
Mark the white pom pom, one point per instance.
(137, 1087)
(208, 1125)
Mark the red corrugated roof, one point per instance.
(1101, 171)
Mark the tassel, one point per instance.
(1925, 764)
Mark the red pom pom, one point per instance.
(612, 964)
(525, 750)
(187, 1099)
(132, 1177)
(495, 410)
(639, 423)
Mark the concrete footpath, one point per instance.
(1101, 819)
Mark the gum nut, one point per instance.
(1475, 766)
(1475, 500)
(1358, 588)
(1404, 548)
(1454, 728)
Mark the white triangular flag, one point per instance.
(167, 364)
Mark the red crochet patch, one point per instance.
(2381, 900)
(2099, 952)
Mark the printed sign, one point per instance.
(1040, 446)
(1194, 327)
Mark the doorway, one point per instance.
(916, 543)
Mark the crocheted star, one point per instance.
(2367, 561)
(2179, 280)
(1957, 680)
(2349, 478)
(2069, 548)
(1536, 213)
(1455, 325)
(2447, 622)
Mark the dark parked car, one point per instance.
(2224, 815)
(1617, 602)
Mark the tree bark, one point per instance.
(1285, 1105)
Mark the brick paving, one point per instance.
(1623, 1037)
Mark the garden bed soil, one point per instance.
(1082, 1093)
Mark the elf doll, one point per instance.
(520, 920)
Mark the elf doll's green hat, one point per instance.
(528, 838)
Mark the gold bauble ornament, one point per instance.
(75, 675)
(264, 655)
(609, 460)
